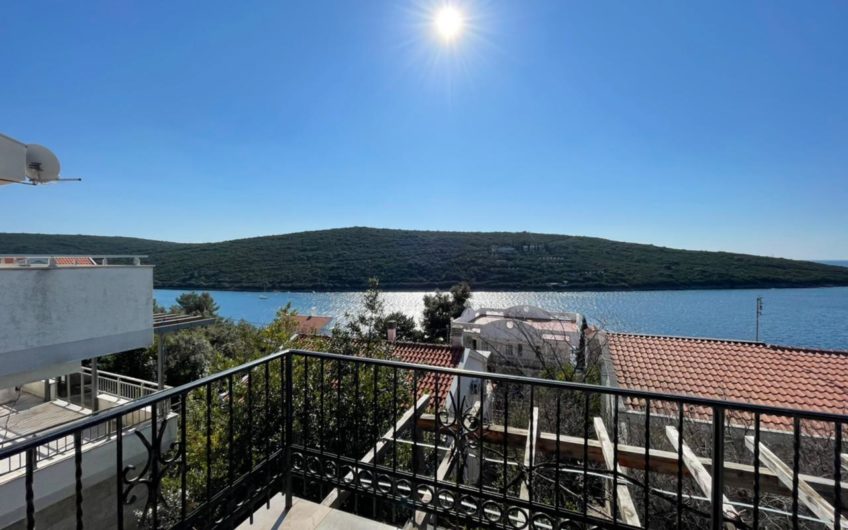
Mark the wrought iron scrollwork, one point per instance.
(465, 427)
(157, 465)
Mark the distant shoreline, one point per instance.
(500, 289)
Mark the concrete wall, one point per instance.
(12, 159)
(469, 392)
(54, 486)
(52, 317)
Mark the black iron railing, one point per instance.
(398, 442)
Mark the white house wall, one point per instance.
(55, 316)
(54, 481)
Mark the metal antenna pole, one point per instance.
(160, 362)
(759, 313)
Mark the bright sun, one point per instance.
(448, 23)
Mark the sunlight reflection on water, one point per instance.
(801, 317)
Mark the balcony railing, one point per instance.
(120, 386)
(393, 442)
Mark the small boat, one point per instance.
(263, 297)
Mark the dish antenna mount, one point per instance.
(30, 164)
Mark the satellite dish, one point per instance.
(31, 164)
(41, 164)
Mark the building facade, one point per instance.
(522, 339)
(57, 313)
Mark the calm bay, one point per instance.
(815, 317)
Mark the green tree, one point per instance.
(407, 330)
(189, 355)
(358, 400)
(197, 352)
(239, 341)
(361, 332)
(139, 363)
(194, 303)
(158, 308)
(278, 334)
(461, 294)
(441, 308)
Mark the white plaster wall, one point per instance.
(54, 479)
(471, 360)
(61, 315)
(12, 159)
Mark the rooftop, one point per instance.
(438, 355)
(751, 372)
(441, 355)
(171, 322)
(40, 261)
(552, 323)
(311, 325)
(522, 312)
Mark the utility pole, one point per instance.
(759, 314)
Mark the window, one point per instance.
(509, 351)
(520, 350)
(473, 344)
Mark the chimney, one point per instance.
(391, 331)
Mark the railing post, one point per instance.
(95, 385)
(717, 493)
(30, 496)
(289, 416)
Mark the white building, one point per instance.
(59, 311)
(521, 339)
(56, 312)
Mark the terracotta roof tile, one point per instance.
(75, 261)
(751, 372)
(433, 355)
(62, 261)
(311, 325)
(418, 353)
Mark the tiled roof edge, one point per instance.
(684, 337)
(427, 344)
(731, 341)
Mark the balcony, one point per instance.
(387, 442)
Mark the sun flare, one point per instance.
(449, 23)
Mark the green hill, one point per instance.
(343, 259)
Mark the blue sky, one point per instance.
(703, 125)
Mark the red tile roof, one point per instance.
(751, 372)
(433, 355)
(74, 261)
(416, 353)
(311, 325)
(58, 260)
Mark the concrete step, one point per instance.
(306, 515)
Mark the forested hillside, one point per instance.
(344, 259)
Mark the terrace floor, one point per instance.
(306, 515)
(30, 413)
